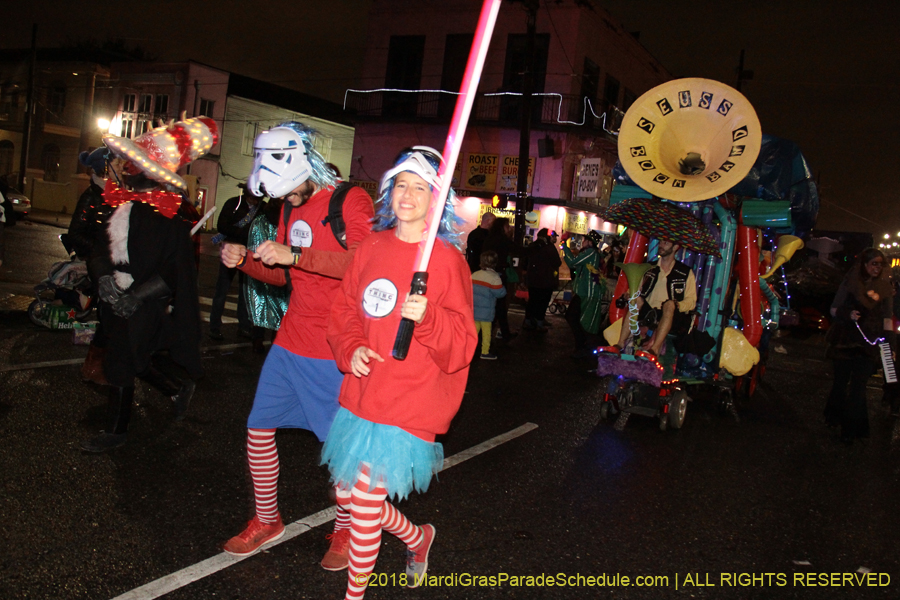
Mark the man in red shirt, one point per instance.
(299, 383)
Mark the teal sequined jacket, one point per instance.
(266, 303)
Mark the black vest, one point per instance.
(677, 281)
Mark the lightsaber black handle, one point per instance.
(405, 331)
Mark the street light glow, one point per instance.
(887, 236)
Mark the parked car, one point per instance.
(20, 202)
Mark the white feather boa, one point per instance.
(117, 230)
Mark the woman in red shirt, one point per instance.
(382, 443)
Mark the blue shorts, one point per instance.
(296, 392)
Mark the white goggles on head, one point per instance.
(280, 164)
(415, 163)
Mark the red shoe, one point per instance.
(338, 556)
(254, 536)
(417, 559)
(648, 354)
(609, 349)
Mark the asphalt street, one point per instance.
(770, 505)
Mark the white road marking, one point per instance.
(179, 579)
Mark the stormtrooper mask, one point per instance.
(416, 163)
(280, 164)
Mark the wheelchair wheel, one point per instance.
(677, 409)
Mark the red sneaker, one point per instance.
(338, 556)
(609, 349)
(417, 559)
(254, 536)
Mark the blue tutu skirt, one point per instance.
(397, 459)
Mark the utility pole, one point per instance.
(29, 109)
(525, 122)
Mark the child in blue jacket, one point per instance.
(488, 288)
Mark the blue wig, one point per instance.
(449, 229)
(322, 175)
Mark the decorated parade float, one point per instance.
(738, 203)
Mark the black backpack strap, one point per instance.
(335, 216)
(286, 210)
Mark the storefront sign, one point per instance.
(509, 213)
(457, 171)
(575, 223)
(589, 178)
(371, 187)
(509, 174)
(480, 172)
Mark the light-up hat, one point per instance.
(280, 163)
(416, 163)
(160, 152)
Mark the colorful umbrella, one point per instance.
(665, 222)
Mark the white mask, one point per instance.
(280, 164)
(415, 163)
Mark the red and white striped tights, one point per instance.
(262, 455)
(369, 514)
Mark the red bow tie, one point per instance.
(165, 203)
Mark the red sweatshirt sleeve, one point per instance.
(257, 270)
(345, 329)
(448, 328)
(358, 212)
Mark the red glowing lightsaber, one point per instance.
(464, 102)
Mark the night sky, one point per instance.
(825, 73)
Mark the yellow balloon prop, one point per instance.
(611, 334)
(737, 356)
(787, 245)
(689, 139)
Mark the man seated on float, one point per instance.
(668, 295)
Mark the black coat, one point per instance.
(474, 247)
(543, 265)
(233, 211)
(87, 229)
(157, 246)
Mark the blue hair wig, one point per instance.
(449, 229)
(322, 175)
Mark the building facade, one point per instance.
(70, 86)
(587, 72)
(79, 96)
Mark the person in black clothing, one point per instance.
(7, 215)
(86, 233)
(862, 313)
(87, 239)
(543, 279)
(499, 240)
(475, 241)
(233, 225)
(147, 276)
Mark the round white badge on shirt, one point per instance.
(301, 234)
(380, 298)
